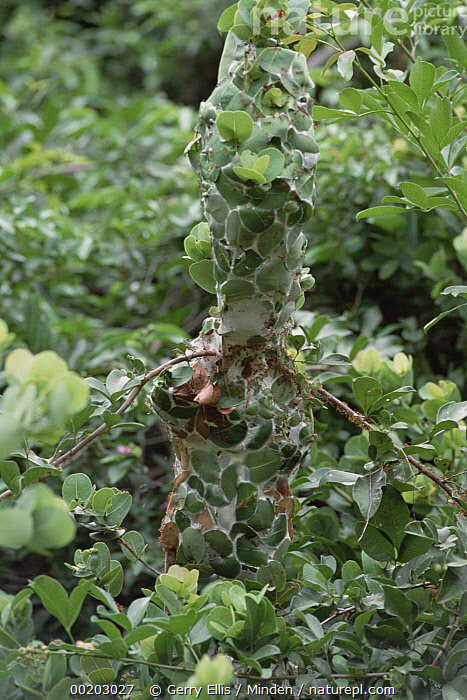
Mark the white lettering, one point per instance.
(189, 690)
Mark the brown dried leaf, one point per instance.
(181, 453)
(200, 377)
(169, 536)
(202, 427)
(205, 520)
(208, 396)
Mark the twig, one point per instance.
(359, 420)
(103, 428)
(446, 642)
(336, 613)
(148, 566)
(379, 674)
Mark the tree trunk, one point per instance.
(239, 425)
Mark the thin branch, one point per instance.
(330, 675)
(446, 642)
(359, 420)
(136, 556)
(103, 428)
(336, 613)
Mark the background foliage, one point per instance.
(98, 104)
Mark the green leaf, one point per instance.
(380, 211)
(197, 250)
(422, 78)
(263, 464)
(350, 98)
(320, 112)
(181, 374)
(253, 621)
(10, 435)
(218, 622)
(116, 584)
(76, 487)
(136, 543)
(374, 543)
(415, 194)
(54, 598)
(98, 670)
(456, 46)
(263, 162)
(101, 498)
(11, 475)
(380, 441)
(454, 584)
(393, 395)
(76, 600)
(454, 410)
(283, 389)
(405, 92)
(248, 552)
(243, 31)
(234, 125)
(206, 465)
(441, 118)
(193, 544)
(460, 245)
(426, 134)
(275, 164)
(425, 450)
(227, 19)
(202, 273)
(116, 381)
(16, 526)
(392, 515)
(396, 604)
(366, 390)
(413, 546)
(325, 475)
(376, 36)
(248, 174)
(273, 277)
(246, 501)
(438, 318)
(60, 690)
(331, 60)
(385, 636)
(367, 492)
(53, 526)
(219, 542)
(111, 419)
(117, 508)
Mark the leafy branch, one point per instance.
(103, 428)
(396, 113)
(356, 418)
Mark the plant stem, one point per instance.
(148, 566)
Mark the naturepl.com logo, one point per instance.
(425, 19)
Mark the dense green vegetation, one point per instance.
(98, 103)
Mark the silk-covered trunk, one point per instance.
(239, 425)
